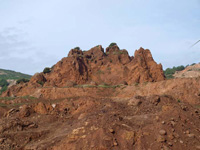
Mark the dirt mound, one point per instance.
(102, 123)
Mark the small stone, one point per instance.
(134, 102)
(187, 132)
(173, 123)
(181, 141)
(2, 140)
(184, 108)
(157, 118)
(155, 100)
(176, 135)
(115, 143)
(161, 139)
(173, 130)
(163, 122)
(171, 136)
(162, 132)
(86, 123)
(53, 105)
(170, 144)
(24, 111)
(191, 135)
(111, 131)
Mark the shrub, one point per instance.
(22, 80)
(47, 70)
(40, 82)
(170, 71)
(78, 48)
(3, 82)
(193, 64)
(4, 88)
(112, 44)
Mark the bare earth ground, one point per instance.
(106, 118)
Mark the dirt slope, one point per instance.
(154, 122)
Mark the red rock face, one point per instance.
(113, 67)
(96, 67)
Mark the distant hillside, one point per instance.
(169, 72)
(191, 71)
(9, 77)
(9, 74)
(188, 71)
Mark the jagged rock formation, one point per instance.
(113, 67)
(94, 67)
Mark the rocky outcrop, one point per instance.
(113, 67)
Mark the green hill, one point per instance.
(7, 75)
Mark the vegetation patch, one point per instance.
(7, 98)
(100, 72)
(112, 44)
(3, 85)
(197, 106)
(77, 48)
(109, 86)
(23, 80)
(47, 70)
(40, 82)
(169, 72)
(85, 86)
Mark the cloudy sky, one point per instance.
(37, 33)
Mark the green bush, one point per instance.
(78, 48)
(112, 44)
(40, 82)
(170, 71)
(22, 80)
(47, 70)
(4, 88)
(193, 64)
(3, 83)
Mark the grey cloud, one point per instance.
(18, 54)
